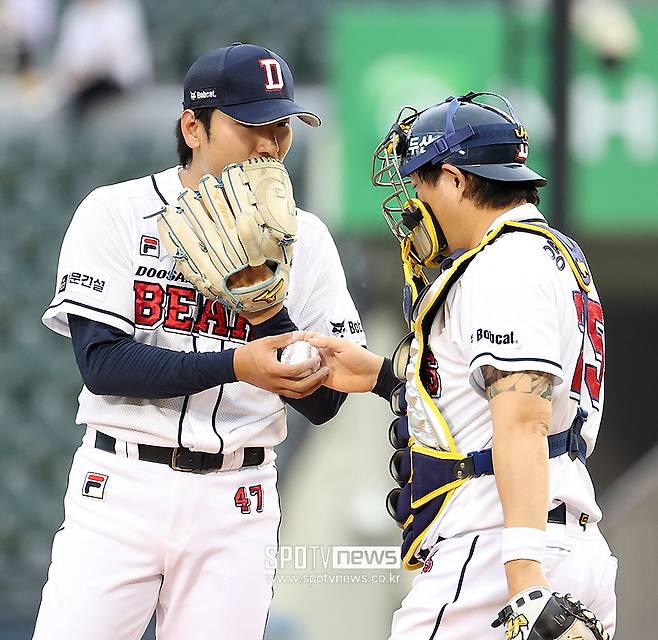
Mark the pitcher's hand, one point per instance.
(257, 364)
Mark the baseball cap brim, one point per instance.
(510, 172)
(263, 112)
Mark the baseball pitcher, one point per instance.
(177, 290)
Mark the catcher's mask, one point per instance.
(473, 136)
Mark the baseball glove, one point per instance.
(538, 614)
(246, 218)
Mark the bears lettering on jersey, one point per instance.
(175, 309)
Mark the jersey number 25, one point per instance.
(594, 332)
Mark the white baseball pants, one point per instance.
(465, 588)
(189, 546)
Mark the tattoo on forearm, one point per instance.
(534, 382)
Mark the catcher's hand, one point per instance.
(538, 614)
(245, 219)
(352, 369)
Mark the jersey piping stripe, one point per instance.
(214, 412)
(186, 403)
(278, 542)
(458, 591)
(155, 186)
(183, 410)
(186, 400)
(495, 357)
(92, 308)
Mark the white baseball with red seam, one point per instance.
(302, 351)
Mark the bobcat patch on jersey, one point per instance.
(339, 328)
(487, 335)
(94, 485)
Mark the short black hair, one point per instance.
(203, 115)
(484, 192)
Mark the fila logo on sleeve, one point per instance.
(94, 485)
(273, 74)
(149, 246)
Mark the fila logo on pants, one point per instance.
(94, 485)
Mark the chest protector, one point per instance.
(427, 465)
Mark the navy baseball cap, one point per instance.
(250, 84)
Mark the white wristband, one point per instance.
(523, 543)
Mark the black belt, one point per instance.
(558, 515)
(180, 458)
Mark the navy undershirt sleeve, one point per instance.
(113, 364)
(323, 404)
(386, 380)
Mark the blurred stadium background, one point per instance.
(588, 93)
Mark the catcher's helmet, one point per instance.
(473, 136)
(476, 137)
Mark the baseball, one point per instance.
(301, 351)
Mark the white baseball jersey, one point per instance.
(113, 268)
(517, 307)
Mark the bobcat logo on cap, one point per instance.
(273, 74)
(203, 94)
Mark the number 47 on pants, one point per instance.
(243, 502)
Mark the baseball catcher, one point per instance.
(497, 388)
(246, 218)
